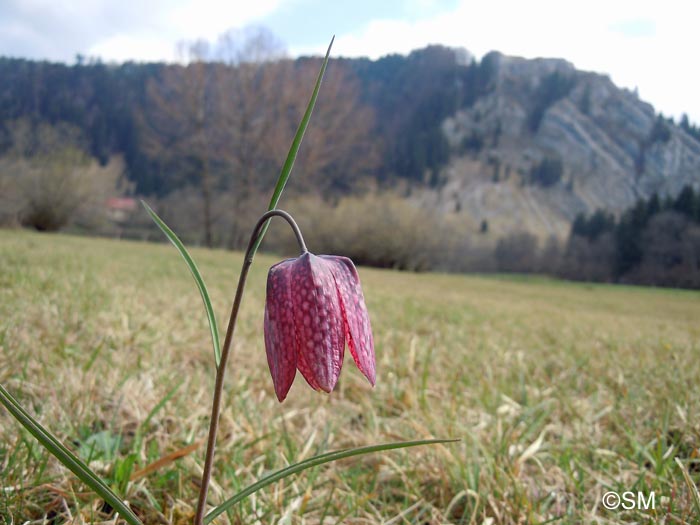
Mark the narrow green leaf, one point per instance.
(313, 462)
(197, 278)
(294, 148)
(65, 456)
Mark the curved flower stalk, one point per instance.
(326, 288)
(336, 280)
(314, 305)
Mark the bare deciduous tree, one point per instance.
(338, 149)
(228, 117)
(179, 122)
(252, 98)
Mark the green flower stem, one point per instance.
(225, 350)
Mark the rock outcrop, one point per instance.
(545, 142)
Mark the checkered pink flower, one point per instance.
(314, 304)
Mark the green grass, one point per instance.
(559, 392)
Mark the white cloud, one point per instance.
(156, 37)
(118, 30)
(210, 18)
(123, 47)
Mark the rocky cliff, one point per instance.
(545, 142)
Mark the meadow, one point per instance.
(559, 393)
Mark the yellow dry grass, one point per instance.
(558, 391)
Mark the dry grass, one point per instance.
(559, 392)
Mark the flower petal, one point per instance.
(280, 337)
(319, 322)
(357, 326)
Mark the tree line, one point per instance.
(656, 241)
(211, 132)
(216, 127)
(403, 101)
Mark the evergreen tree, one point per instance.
(686, 203)
(628, 238)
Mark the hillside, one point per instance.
(546, 142)
(512, 143)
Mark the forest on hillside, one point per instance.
(212, 132)
(393, 106)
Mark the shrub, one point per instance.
(63, 187)
(385, 231)
(547, 172)
(517, 252)
(48, 181)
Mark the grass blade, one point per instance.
(294, 148)
(65, 456)
(313, 462)
(691, 485)
(197, 278)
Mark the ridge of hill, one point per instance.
(546, 142)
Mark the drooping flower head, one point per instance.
(314, 305)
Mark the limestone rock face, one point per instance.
(545, 142)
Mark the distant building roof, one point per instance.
(121, 203)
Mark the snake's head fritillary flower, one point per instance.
(314, 305)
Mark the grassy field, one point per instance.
(559, 393)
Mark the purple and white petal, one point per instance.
(357, 325)
(280, 336)
(318, 320)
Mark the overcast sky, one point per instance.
(649, 45)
